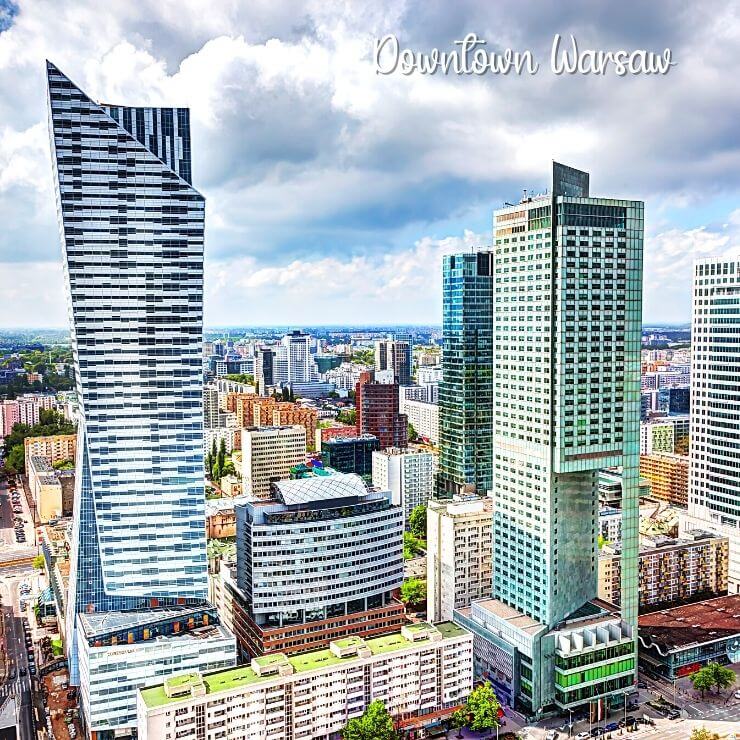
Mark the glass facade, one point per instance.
(465, 391)
(567, 299)
(131, 227)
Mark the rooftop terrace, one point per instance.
(155, 696)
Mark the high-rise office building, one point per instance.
(714, 481)
(395, 353)
(377, 405)
(465, 391)
(566, 402)
(131, 228)
(300, 365)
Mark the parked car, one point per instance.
(641, 685)
(611, 727)
(597, 732)
(737, 694)
(582, 736)
(674, 714)
(552, 735)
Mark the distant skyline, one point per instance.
(334, 192)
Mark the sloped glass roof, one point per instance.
(322, 488)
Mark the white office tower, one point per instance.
(714, 475)
(300, 364)
(131, 227)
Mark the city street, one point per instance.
(16, 679)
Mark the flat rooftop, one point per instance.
(517, 619)
(155, 696)
(691, 624)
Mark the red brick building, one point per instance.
(378, 414)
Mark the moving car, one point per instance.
(582, 736)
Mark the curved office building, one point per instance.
(322, 547)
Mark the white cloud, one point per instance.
(312, 163)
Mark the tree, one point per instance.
(222, 454)
(241, 378)
(722, 677)
(39, 562)
(347, 416)
(702, 681)
(702, 733)
(374, 724)
(458, 720)
(414, 592)
(483, 706)
(418, 522)
(412, 435)
(412, 546)
(216, 473)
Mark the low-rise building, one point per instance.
(351, 454)
(678, 642)
(668, 474)
(588, 657)
(459, 553)
(421, 674)
(125, 651)
(408, 474)
(669, 571)
(46, 489)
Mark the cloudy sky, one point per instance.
(332, 191)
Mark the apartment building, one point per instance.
(670, 571)
(664, 434)
(55, 448)
(268, 454)
(458, 553)
(423, 416)
(668, 474)
(420, 674)
(407, 474)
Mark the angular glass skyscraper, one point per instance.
(466, 389)
(132, 229)
(567, 299)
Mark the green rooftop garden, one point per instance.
(271, 659)
(186, 679)
(243, 676)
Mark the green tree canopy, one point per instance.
(418, 522)
(241, 378)
(374, 724)
(702, 681)
(483, 708)
(722, 677)
(412, 546)
(412, 435)
(458, 720)
(39, 562)
(414, 592)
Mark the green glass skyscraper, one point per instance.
(466, 389)
(566, 402)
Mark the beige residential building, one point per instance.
(458, 553)
(46, 488)
(668, 474)
(420, 674)
(670, 571)
(55, 448)
(268, 454)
